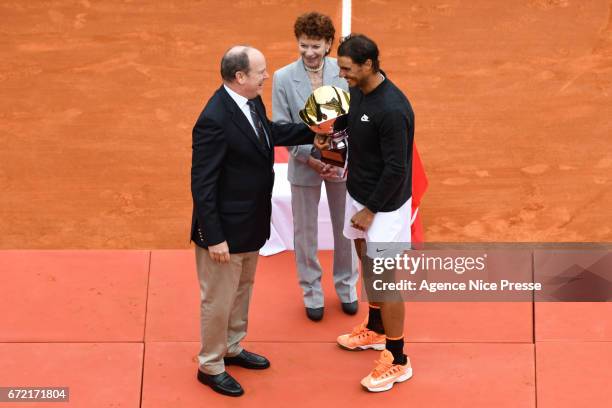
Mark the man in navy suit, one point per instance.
(231, 182)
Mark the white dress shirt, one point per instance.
(241, 101)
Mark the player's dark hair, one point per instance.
(359, 48)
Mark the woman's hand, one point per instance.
(316, 164)
(326, 171)
(329, 172)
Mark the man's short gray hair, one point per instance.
(235, 59)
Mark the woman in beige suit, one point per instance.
(292, 84)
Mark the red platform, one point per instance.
(120, 328)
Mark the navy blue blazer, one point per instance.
(232, 174)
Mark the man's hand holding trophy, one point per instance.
(326, 113)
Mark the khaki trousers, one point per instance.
(225, 293)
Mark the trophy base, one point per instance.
(335, 157)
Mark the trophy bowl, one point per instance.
(326, 113)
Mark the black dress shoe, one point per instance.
(222, 383)
(247, 359)
(314, 313)
(350, 308)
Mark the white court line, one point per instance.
(346, 17)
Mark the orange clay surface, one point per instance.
(513, 103)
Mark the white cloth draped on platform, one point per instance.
(281, 226)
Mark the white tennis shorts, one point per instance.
(392, 227)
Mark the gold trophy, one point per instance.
(326, 113)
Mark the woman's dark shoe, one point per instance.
(350, 308)
(314, 313)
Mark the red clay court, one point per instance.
(98, 284)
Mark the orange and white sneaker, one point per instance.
(385, 374)
(362, 338)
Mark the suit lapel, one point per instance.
(242, 123)
(301, 81)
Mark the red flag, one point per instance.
(419, 186)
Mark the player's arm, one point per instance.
(395, 143)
